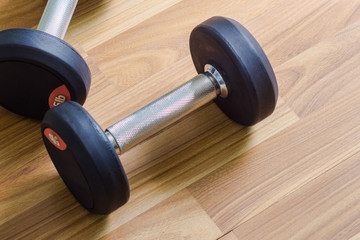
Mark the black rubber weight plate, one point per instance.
(84, 158)
(235, 53)
(32, 65)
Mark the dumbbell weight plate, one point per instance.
(234, 52)
(84, 158)
(36, 68)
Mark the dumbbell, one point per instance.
(233, 71)
(38, 70)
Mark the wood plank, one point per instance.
(178, 209)
(329, 73)
(20, 13)
(326, 208)
(103, 20)
(229, 236)
(37, 222)
(281, 165)
(266, 27)
(292, 176)
(285, 31)
(99, 17)
(25, 171)
(159, 42)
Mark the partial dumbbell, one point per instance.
(38, 70)
(233, 71)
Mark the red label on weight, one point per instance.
(55, 139)
(59, 95)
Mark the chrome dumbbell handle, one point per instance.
(57, 16)
(159, 114)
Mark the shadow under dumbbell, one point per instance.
(175, 137)
(50, 215)
(8, 119)
(32, 196)
(172, 161)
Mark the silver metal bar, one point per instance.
(159, 114)
(57, 16)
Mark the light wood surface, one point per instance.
(296, 175)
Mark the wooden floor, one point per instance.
(295, 175)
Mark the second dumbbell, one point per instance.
(38, 70)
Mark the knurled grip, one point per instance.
(159, 114)
(57, 16)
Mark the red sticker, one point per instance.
(59, 95)
(55, 139)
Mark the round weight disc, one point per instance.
(39, 71)
(84, 158)
(248, 75)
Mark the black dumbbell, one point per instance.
(233, 71)
(38, 70)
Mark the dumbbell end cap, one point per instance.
(249, 77)
(84, 158)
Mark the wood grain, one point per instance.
(229, 236)
(19, 13)
(179, 208)
(293, 176)
(128, 67)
